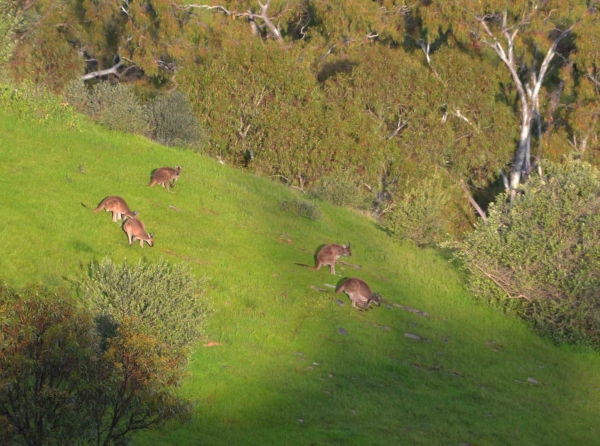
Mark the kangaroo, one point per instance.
(328, 255)
(359, 293)
(117, 206)
(135, 229)
(165, 176)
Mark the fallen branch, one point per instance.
(112, 70)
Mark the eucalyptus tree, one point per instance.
(532, 38)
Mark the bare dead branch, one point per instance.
(497, 282)
(112, 70)
(472, 201)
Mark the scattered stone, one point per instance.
(445, 340)
(212, 344)
(310, 367)
(350, 265)
(299, 353)
(388, 307)
(414, 324)
(316, 363)
(300, 420)
(328, 392)
(175, 208)
(224, 366)
(352, 411)
(339, 302)
(330, 285)
(415, 336)
(330, 375)
(412, 310)
(342, 331)
(314, 287)
(540, 366)
(532, 380)
(208, 211)
(519, 381)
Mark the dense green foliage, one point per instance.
(544, 252)
(420, 214)
(165, 297)
(379, 93)
(60, 386)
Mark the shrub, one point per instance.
(37, 104)
(58, 386)
(301, 208)
(540, 255)
(419, 214)
(166, 298)
(341, 189)
(114, 106)
(173, 121)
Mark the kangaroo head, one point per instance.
(135, 213)
(376, 299)
(151, 239)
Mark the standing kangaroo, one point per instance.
(135, 229)
(117, 206)
(328, 256)
(359, 292)
(165, 176)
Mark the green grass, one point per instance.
(371, 386)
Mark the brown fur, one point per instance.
(165, 176)
(135, 229)
(328, 255)
(359, 293)
(117, 206)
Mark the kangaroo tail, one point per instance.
(152, 183)
(306, 266)
(87, 207)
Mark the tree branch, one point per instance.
(472, 201)
(112, 70)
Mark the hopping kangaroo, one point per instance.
(165, 176)
(135, 229)
(117, 206)
(359, 293)
(328, 255)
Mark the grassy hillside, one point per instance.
(291, 365)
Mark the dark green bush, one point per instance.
(166, 298)
(301, 208)
(540, 255)
(114, 106)
(341, 189)
(173, 121)
(420, 214)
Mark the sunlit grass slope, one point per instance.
(291, 366)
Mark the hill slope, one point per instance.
(285, 372)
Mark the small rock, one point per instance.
(339, 302)
(300, 420)
(299, 353)
(328, 392)
(415, 336)
(388, 307)
(314, 287)
(330, 375)
(412, 310)
(316, 363)
(352, 411)
(519, 381)
(342, 331)
(330, 285)
(310, 367)
(532, 380)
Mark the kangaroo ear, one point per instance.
(151, 234)
(348, 245)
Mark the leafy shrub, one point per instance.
(167, 298)
(37, 104)
(173, 121)
(341, 189)
(540, 255)
(419, 214)
(301, 208)
(114, 106)
(60, 387)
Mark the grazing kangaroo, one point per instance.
(359, 293)
(135, 229)
(165, 176)
(328, 256)
(117, 206)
